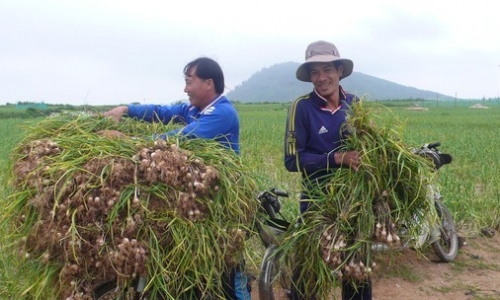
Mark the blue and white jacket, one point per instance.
(218, 121)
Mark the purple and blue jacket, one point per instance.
(314, 133)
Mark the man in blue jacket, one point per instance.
(314, 134)
(209, 115)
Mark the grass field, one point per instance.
(470, 185)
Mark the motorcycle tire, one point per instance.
(446, 246)
(274, 281)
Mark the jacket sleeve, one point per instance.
(159, 113)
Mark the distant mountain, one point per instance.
(278, 84)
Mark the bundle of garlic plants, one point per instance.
(87, 208)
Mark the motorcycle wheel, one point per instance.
(274, 281)
(446, 246)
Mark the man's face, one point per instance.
(197, 89)
(325, 77)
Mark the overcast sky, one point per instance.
(117, 52)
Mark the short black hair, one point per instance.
(207, 68)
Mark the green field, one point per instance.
(470, 185)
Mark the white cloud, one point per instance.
(122, 51)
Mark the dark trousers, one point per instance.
(362, 291)
(350, 291)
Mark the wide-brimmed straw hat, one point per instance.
(321, 51)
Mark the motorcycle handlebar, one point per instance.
(430, 150)
(279, 193)
(433, 145)
(270, 202)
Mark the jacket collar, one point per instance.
(320, 101)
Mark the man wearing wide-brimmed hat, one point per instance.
(314, 133)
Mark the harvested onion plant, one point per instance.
(354, 210)
(90, 209)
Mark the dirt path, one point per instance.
(474, 275)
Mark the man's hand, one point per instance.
(350, 159)
(117, 112)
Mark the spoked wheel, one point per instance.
(446, 246)
(274, 281)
